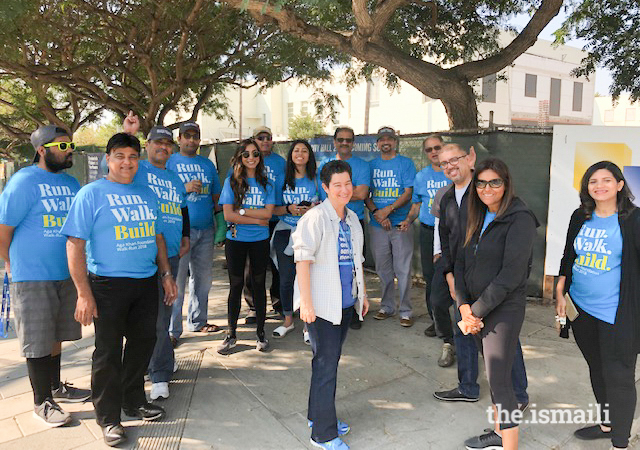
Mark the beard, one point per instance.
(56, 166)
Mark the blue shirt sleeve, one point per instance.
(408, 173)
(79, 223)
(270, 198)
(226, 197)
(16, 201)
(361, 174)
(417, 188)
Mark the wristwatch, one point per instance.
(165, 274)
(242, 211)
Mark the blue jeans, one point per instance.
(467, 356)
(326, 344)
(199, 262)
(162, 360)
(287, 270)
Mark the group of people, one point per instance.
(118, 252)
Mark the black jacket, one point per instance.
(492, 270)
(449, 228)
(626, 326)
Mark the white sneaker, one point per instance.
(159, 390)
(175, 366)
(306, 338)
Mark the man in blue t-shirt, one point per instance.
(175, 216)
(343, 141)
(200, 178)
(115, 233)
(33, 207)
(426, 184)
(392, 178)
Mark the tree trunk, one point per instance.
(459, 101)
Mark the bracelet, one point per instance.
(165, 274)
(374, 211)
(288, 210)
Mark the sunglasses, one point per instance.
(263, 138)
(430, 149)
(247, 153)
(62, 146)
(495, 183)
(192, 136)
(347, 140)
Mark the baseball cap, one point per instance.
(44, 135)
(386, 131)
(159, 132)
(189, 126)
(261, 130)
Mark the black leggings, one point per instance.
(236, 253)
(612, 376)
(499, 346)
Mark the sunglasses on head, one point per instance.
(430, 149)
(495, 183)
(62, 146)
(263, 138)
(247, 153)
(347, 140)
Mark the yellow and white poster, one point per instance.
(575, 148)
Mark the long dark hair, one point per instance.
(238, 181)
(624, 198)
(290, 171)
(477, 209)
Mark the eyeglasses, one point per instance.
(495, 183)
(347, 140)
(246, 154)
(430, 149)
(62, 146)
(263, 138)
(453, 162)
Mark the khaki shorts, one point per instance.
(44, 315)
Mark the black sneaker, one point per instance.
(146, 411)
(454, 395)
(250, 318)
(69, 394)
(430, 331)
(355, 324)
(489, 441)
(591, 433)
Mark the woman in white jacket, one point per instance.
(327, 247)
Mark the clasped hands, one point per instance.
(469, 324)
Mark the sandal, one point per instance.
(209, 328)
(282, 331)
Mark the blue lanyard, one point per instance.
(6, 308)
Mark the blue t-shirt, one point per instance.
(256, 197)
(171, 197)
(488, 218)
(345, 264)
(360, 174)
(200, 205)
(425, 186)
(36, 203)
(305, 190)
(389, 179)
(595, 284)
(119, 223)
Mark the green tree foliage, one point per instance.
(152, 57)
(612, 31)
(305, 126)
(438, 46)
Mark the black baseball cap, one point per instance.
(44, 135)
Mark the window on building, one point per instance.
(630, 115)
(489, 88)
(554, 98)
(289, 111)
(577, 96)
(304, 108)
(608, 115)
(530, 85)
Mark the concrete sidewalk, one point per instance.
(252, 400)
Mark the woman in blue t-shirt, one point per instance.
(299, 194)
(247, 201)
(600, 271)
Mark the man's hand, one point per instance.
(86, 309)
(382, 214)
(436, 257)
(365, 305)
(170, 290)
(386, 224)
(185, 245)
(404, 225)
(131, 124)
(193, 186)
(307, 313)
(468, 317)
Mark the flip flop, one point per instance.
(282, 331)
(209, 328)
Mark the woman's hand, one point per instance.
(307, 313)
(561, 302)
(365, 305)
(468, 317)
